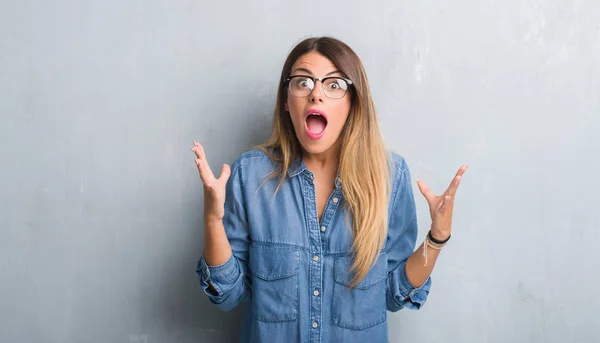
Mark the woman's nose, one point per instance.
(317, 93)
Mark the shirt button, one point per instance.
(315, 325)
(316, 292)
(323, 228)
(335, 200)
(316, 258)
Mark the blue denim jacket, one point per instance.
(294, 270)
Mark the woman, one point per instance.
(316, 228)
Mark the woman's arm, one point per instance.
(402, 290)
(223, 267)
(418, 268)
(409, 271)
(420, 264)
(217, 249)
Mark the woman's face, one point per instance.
(318, 119)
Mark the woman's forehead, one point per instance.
(315, 63)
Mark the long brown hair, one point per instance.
(363, 168)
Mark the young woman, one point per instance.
(316, 228)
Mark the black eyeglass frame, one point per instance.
(315, 79)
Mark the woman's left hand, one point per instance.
(441, 207)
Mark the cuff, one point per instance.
(414, 297)
(219, 276)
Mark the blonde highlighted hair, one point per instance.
(363, 159)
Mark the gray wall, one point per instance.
(100, 202)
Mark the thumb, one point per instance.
(225, 173)
(429, 196)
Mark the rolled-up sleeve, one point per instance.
(401, 240)
(230, 281)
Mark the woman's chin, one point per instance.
(315, 147)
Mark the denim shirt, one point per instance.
(293, 270)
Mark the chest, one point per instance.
(303, 213)
(323, 192)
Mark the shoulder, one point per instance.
(252, 155)
(251, 161)
(398, 166)
(399, 173)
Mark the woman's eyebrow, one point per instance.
(310, 73)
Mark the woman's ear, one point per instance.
(285, 106)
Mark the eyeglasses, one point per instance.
(334, 87)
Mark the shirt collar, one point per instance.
(298, 167)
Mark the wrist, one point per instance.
(212, 221)
(439, 236)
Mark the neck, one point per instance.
(326, 161)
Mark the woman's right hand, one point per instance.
(214, 189)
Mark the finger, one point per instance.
(427, 193)
(451, 190)
(198, 149)
(202, 155)
(456, 181)
(225, 173)
(206, 174)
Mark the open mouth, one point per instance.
(315, 124)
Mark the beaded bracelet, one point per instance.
(433, 243)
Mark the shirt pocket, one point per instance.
(363, 306)
(274, 282)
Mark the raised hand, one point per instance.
(441, 207)
(214, 189)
